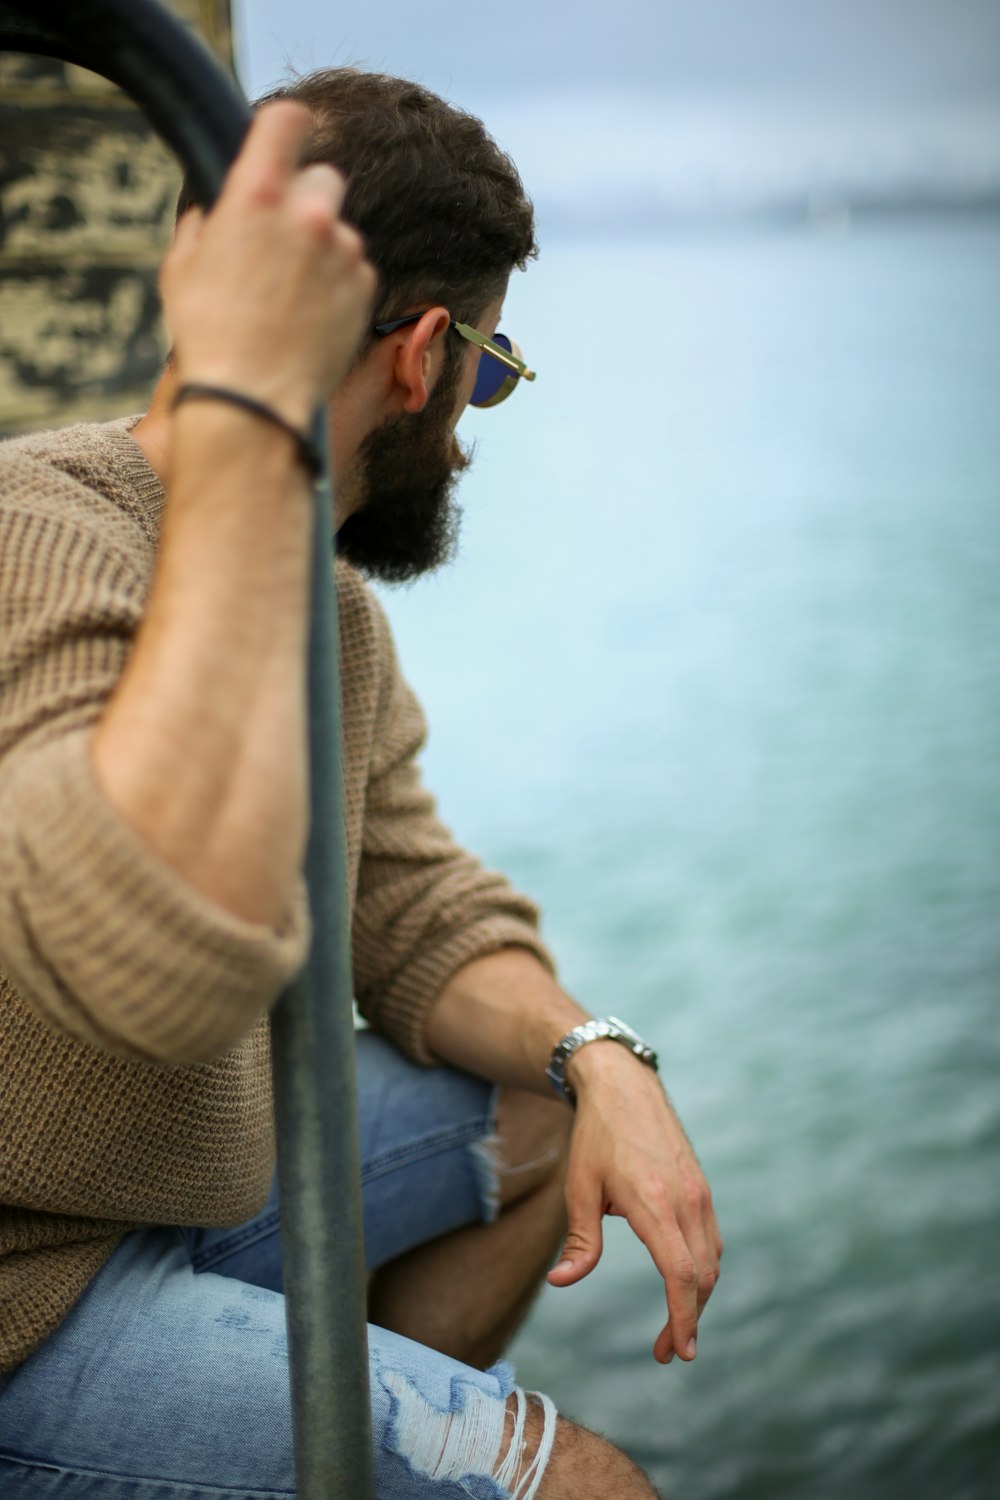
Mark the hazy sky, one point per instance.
(685, 105)
(872, 51)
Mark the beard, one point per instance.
(408, 519)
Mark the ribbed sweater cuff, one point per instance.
(152, 964)
(402, 1011)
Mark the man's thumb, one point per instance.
(581, 1249)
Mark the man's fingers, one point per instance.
(583, 1243)
(663, 1349)
(690, 1270)
(270, 154)
(682, 1301)
(700, 1231)
(673, 1259)
(705, 1258)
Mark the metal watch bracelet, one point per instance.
(609, 1029)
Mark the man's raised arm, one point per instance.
(153, 786)
(201, 749)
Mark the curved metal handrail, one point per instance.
(196, 108)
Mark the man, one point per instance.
(153, 582)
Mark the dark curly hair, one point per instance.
(442, 209)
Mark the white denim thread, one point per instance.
(446, 1445)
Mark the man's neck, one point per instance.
(152, 432)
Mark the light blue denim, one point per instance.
(169, 1379)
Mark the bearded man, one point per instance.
(153, 603)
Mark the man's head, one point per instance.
(442, 209)
(445, 220)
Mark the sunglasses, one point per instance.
(497, 375)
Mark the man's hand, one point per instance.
(500, 1016)
(270, 293)
(630, 1157)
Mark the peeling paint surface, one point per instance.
(87, 197)
(80, 177)
(68, 336)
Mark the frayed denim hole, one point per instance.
(453, 1446)
(503, 1374)
(449, 1447)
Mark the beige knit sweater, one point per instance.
(134, 1044)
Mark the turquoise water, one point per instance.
(717, 678)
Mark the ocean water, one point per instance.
(717, 679)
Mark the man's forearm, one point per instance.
(500, 1016)
(201, 747)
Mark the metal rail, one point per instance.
(195, 107)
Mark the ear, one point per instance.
(419, 351)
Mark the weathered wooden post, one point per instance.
(87, 193)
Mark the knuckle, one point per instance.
(266, 187)
(686, 1272)
(707, 1281)
(692, 1195)
(694, 1192)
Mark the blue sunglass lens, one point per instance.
(491, 373)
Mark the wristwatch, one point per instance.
(607, 1030)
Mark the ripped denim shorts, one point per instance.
(169, 1379)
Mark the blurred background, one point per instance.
(715, 678)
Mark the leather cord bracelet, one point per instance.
(308, 451)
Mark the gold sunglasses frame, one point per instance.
(510, 359)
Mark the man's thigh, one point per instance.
(164, 1384)
(427, 1168)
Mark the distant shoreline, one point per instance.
(827, 215)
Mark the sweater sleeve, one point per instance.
(101, 938)
(424, 907)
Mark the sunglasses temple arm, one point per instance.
(511, 361)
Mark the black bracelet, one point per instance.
(308, 451)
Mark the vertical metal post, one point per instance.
(195, 107)
(315, 1093)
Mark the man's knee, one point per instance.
(532, 1142)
